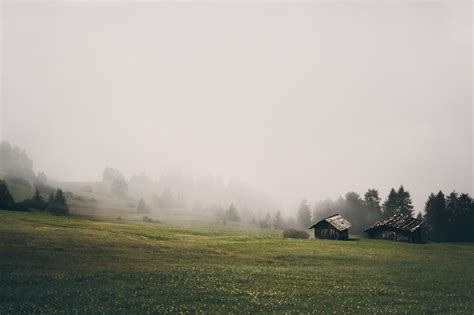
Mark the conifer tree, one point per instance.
(304, 214)
(231, 214)
(278, 220)
(51, 197)
(436, 217)
(6, 199)
(405, 205)
(390, 205)
(60, 198)
(142, 208)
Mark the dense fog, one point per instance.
(256, 104)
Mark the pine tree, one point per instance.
(51, 197)
(142, 208)
(231, 214)
(304, 214)
(57, 203)
(404, 202)
(59, 198)
(268, 219)
(37, 197)
(390, 205)
(454, 216)
(6, 199)
(277, 220)
(429, 216)
(253, 221)
(37, 202)
(119, 188)
(465, 222)
(436, 217)
(372, 206)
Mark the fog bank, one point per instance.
(303, 99)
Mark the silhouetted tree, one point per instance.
(390, 205)
(453, 214)
(436, 217)
(15, 162)
(57, 203)
(41, 180)
(167, 200)
(6, 199)
(51, 197)
(450, 219)
(111, 174)
(266, 223)
(59, 198)
(231, 214)
(38, 201)
(278, 220)
(464, 219)
(119, 188)
(141, 179)
(253, 221)
(142, 208)
(404, 201)
(304, 214)
(37, 197)
(355, 211)
(372, 204)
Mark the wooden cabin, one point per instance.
(334, 227)
(399, 227)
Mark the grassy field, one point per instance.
(76, 264)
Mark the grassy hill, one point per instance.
(50, 263)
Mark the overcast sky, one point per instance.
(303, 99)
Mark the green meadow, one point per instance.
(79, 264)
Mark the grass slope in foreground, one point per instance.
(70, 264)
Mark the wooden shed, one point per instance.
(334, 227)
(399, 227)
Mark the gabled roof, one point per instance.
(399, 221)
(337, 221)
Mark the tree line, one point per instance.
(446, 218)
(449, 218)
(361, 211)
(56, 203)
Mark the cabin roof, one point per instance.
(336, 221)
(399, 221)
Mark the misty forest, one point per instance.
(168, 158)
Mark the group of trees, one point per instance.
(398, 201)
(15, 162)
(449, 218)
(230, 214)
(167, 200)
(179, 190)
(6, 198)
(118, 184)
(277, 221)
(360, 211)
(142, 207)
(56, 202)
(17, 167)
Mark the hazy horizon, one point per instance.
(297, 99)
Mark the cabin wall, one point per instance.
(392, 234)
(328, 232)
